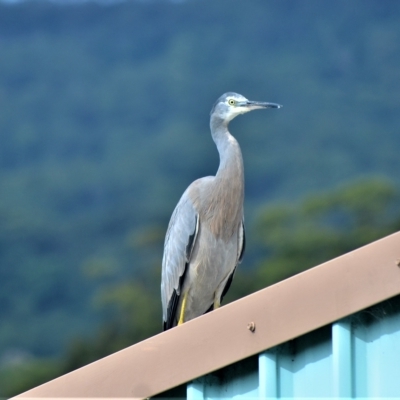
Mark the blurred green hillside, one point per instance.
(294, 238)
(104, 122)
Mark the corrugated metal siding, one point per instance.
(358, 357)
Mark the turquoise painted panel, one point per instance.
(376, 347)
(239, 387)
(305, 366)
(268, 374)
(195, 389)
(238, 381)
(342, 359)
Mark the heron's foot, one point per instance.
(182, 313)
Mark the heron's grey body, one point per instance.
(205, 239)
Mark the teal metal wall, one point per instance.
(358, 357)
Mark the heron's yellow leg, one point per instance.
(217, 304)
(182, 313)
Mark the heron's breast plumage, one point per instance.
(213, 261)
(219, 199)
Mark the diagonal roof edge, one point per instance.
(280, 312)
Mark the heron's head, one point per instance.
(230, 104)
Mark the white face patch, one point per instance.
(232, 101)
(233, 110)
(229, 106)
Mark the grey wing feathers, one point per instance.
(242, 242)
(179, 242)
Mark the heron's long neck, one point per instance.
(228, 193)
(230, 160)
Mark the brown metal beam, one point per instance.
(279, 313)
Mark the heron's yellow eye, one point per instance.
(231, 102)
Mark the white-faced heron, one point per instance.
(205, 239)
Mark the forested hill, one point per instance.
(104, 122)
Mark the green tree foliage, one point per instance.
(325, 226)
(293, 238)
(19, 377)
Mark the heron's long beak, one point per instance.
(253, 105)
